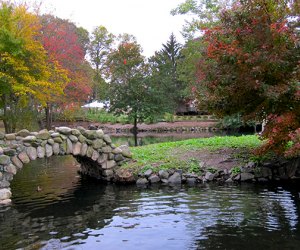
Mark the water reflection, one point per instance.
(150, 138)
(82, 214)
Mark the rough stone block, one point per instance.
(247, 176)
(89, 152)
(32, 153)
(73, 138)
(55, 148)
(76, 148)
(23, 157)
(49, 150)
(154, 179)
(175, 178)
(40, 152)
(83, 150)
(15, 160)
(97, 143)
(29, 138)
(11, 168)
(10, 137)
(4, 159)
(58, 140)
(75, 132)
(64, 130)
(69, 147)
(125, 151)
(43, 134)
(107, 149)
(107, 139)
(95, 155)
(5, 194)
(109, 164)
(102, 158)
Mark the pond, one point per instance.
(69, 212)
(150, 138)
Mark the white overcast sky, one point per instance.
(149, 21)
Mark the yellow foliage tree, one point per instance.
(27, 76)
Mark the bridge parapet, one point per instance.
(93, 149)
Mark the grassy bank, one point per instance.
(189, 155)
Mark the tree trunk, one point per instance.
(9, 115)
(48, 112)
(135, 131)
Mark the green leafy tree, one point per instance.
(164, 73)
(204, 13)
(99, 49)
(131, 91)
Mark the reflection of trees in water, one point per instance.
(150, 138)
(243, 219)
(91, 206)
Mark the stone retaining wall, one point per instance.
(277, 170)
(99, 158)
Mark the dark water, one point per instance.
(73, 213)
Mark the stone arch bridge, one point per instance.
(93, 149)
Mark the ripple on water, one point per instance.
(73, 213)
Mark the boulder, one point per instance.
(95, 155)
(29, 138)
(49, 150)
(9, 151)
(11, 168)
(90, 134)
(69, 147)
(5, 194)
(154, 179)
(119, 157)
(43, 134)
(73, 138)
(109, 164)
(10, 137)
(55, 148)
(107, 139)
(32, 153)
(24, 157)
(4, 159)
(148, 173)
(75, 132)
(57, 140)
(125, 151)
(142, 182)
(175, 178)
(124, 176)
(100, 133)
(50, 141)
(98, 143)
(209, 176)
(247, 176)
(83, 150)
(77, 148)
(40, 152)
(163, 174)
(16, 161)
(107, 149)
(64, 130)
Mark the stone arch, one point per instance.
(93, 149)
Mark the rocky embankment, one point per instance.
(276, 170)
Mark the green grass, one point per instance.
(166, 155)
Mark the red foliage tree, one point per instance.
(250, 65)
(66, 44)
